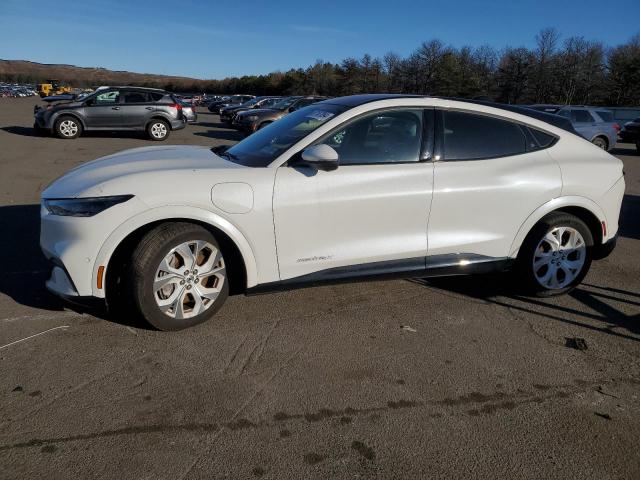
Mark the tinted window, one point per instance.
(543, 139)
(135, 97)
(472, 137)
(384, 137)
(107, 98)
(581, 116)
(605, 115)
(157, 96)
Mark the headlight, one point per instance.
(82, 207)
(252, 118)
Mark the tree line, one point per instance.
(570, 71)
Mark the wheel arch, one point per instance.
(121, 241)
(66, 113)
(604, 137)
(158, 116)
(583, 208)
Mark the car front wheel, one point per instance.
(178, 276)
(158, 130)
(556, 255)
(67, 128)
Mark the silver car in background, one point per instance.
(189, 111)
(596, 124)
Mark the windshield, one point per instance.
(264, 146)
(286, 103)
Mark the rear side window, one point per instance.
(543, 139)
(136, 97)
(605, 115)
(156, 97)
(468, 136)
(581, 116)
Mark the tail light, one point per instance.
(177, 106)
(617, 127)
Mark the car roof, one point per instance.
(130, 87)
(555, 120)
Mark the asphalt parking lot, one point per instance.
(316, 383)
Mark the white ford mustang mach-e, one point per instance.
(356, 187)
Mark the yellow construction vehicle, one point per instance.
(52, 87)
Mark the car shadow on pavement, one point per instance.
(231, 135)
(626, 150)
(22, 131)
(32, 132)
(25, 269)
(593, 312)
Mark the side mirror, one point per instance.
(320, 157)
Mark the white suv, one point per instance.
(356, 187)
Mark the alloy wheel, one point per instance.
(159, 130)
(68, 128)
(559, 257)
(189, 279)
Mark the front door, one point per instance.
(103, 110)
(372, 212)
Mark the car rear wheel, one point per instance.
(178, 276)
(68, 128)
(158, 130)
(600, 142)
(555, 256)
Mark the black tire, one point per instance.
(146, 258)
(67, 127)
(601, 142)
(524, 271)
(158, 130)
(264, 124)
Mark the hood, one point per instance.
(133, 166)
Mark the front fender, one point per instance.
(166, 213)
(545, 209)
(68, 113)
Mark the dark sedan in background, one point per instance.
(214, 107)
(228, 113)
(253, 120)
(630, 133)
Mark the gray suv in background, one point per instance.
(596, 124)
(149, 110)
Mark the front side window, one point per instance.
(468, 136)
(107, 98)
(390, 136)
(264, 146)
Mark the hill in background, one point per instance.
(23, 71)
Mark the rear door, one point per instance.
(136, 108)
(490, 174)
(103, 110)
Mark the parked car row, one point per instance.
(258, 112)
(16, 90)
(630, 133)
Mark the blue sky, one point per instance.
(215, 39)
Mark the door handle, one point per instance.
(149, 108)
(115, 108)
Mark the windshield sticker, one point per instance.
(320, 115)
